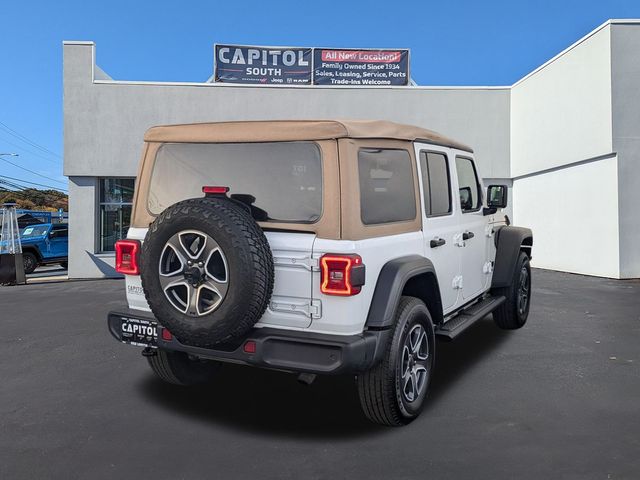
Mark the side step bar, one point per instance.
(468, 316)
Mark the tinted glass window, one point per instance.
(284, 178)
(61, 232)
(469, 185)
(386, 186)
(437, 188)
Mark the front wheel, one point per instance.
(29, 261)
(393, 392)
(178, 368)
(513, 313)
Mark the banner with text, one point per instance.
(360, 67)
(263, 65)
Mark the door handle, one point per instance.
(437, 242)
(467, 235)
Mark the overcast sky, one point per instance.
(452, 43)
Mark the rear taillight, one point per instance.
(341, 274)
(127, 255)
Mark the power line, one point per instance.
(55, 162)
(11, 131)
(31, 171)
(33, 183)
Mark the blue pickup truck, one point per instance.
(44, 244)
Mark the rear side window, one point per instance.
(386, 186)
(281, 180)
(437, 184)
(469, 185)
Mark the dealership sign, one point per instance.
(360, 67)
(263, 65)
(305, 66)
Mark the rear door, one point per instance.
(291, 304)
(439, 219)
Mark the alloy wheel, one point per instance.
(194, 274)
(414, 364)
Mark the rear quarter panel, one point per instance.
(347, 315)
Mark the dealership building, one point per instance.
(566, 138)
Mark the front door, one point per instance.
(440, 222)
(473, 235)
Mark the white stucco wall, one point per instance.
(561, 112)
(573, 213)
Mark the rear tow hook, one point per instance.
(149, 352)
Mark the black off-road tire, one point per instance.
(30, 262)
(249, 262)
(177, 368)
(512, 315)
(379, 388)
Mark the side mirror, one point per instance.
(497, 196)
(466, 202)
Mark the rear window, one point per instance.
(285, 178)
(386, 186)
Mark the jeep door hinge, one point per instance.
(312, 309)
(487, 268)
(489, 231)
(310, 263)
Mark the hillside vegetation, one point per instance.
(34, 199)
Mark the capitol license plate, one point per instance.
(139, 332)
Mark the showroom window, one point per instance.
(116, 198)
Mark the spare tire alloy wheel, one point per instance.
(207, 271)
(193, 273)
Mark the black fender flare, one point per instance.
(394, 276)
(509, 242)
(34, 250)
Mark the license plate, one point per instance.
(139, 332)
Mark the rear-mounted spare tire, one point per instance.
(207, 271)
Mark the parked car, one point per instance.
(44, 244)
(315, 247)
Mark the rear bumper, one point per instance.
(278, 349)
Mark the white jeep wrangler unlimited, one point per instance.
(315, 247)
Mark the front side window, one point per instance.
(436, 182)
(387, 192)
(282, 181)
(116, 197)
(469, 186)
(34, 231)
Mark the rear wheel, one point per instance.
(513, 313)
(393, 392)
(178, 369)
(30, 262)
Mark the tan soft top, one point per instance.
(295, 130)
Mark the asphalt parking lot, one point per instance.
(558, 399)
